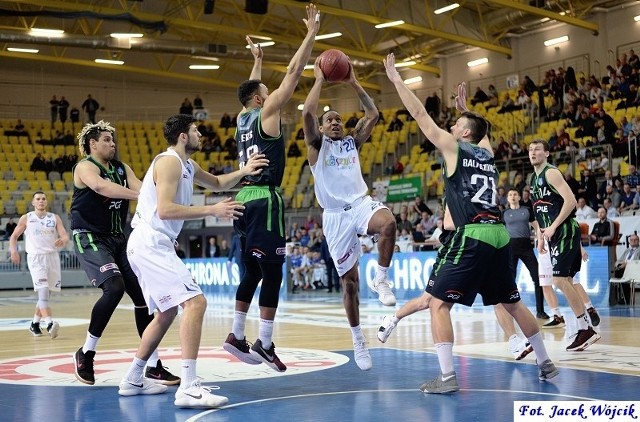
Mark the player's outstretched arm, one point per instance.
(442, 139)
(254, 166)
(366, 124)
(312, 134)
(256, 50)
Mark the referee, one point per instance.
(518, 220)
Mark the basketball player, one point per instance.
(348, 210)
(163, 206)
(262, 226)
(478, 259)
(554, 205)
(44, 234)
(102, 189)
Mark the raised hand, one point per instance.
(317, 72)
(313, 19)
(390, 66)
(227, 208)
(256, 50)
(461, 98)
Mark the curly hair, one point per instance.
(92, 131)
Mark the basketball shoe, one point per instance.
(197, 396)
(388, 325)
(556, 322)
(240, 349)
(34, 329)
(361, 355)
(584, 339)
(385, 295)
(519, 347)
(53, 329)
(443, 383)
(267, 356)
(83, 363)
(161, 375)
(547, 370)
(144, 387)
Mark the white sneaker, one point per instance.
(198, 396)
(385, 295)
(361, 355)
(145, 386)
(53, 329)
(385, 330)
(519, 347)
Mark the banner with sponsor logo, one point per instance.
(404, 189)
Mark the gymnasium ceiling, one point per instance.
(177, 34)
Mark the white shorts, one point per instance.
(45, 270)
(545, 269)
(342, 226)
(165, 281)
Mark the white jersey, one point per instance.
(337, 176)
(147, 209)
(40, 234)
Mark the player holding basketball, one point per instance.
(44, 234)
(478, 259)
(554, 206)
(348, 210)
(261, 227)
(102, 189)
(166, 282)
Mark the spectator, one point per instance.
(603, 230)
(588, 188)
(90, 106)
(494, 97)
(9, 228)
(404, 223)
(351, 122)
(20, 130)
(197, 102)
(212, 250)
(612, 193)
(294, 150)
(612, 211)
(507, 104)
(479, 97)
(628, 197)
(74, 115)
(63, 108)
(54, 109)
(584, 211)
(395, 125)
(633, 179)
(397, 168)
(432, 105)
(419, 207)
(186, 107)
(224, 248)
(225, 122)
(38, 163)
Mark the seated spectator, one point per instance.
(397, 168)
(494, 97)
(351, 122)
(293, 150)
(225, 122)
(554, 110)
(38, 163)
(603, 229)
(584, 211)
(395, 125)
(479, 97)
(611, 210)
(9, 228)
(186, 107)
(404, 222)
(633, 179)
(628, 197)
(404, 239)
(300, 134)
(433, 241)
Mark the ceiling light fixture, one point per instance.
(42, 32)
(23, 50)
(446, 8)
(309, 67)
(204, 66)
(555, 41)
(413, 80)
(327, 36)
(260, 37)
(636, 18)
(478, 62)
(405, 64)
(125, 35)
(105, 61)
(388, 24)
(263, 44)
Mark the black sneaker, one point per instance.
(593, 314)
(584, 339)
(84, 366)
(542, 315)
(161, 375)
(267, 356)
(240, 349)
(35, 329)
(556, 322)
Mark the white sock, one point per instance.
(36, 319)
(395, 319)
(239, 319)
(48, 320)
(588, 305)
(90, 343)
(538, 347)
(188, 374)
(583, 323)
(556, 311)
(265, 333)
(153, 359)
(445, 357)
(356, 334)
(381, 273)
(135, 370)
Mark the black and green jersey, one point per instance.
(547, 202)
(250, 139)
(470, 192)
(95, 213)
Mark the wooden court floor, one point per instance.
(322, 381)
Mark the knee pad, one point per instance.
(43, 298)
(112, 292)
(249, 282)
(271, 283)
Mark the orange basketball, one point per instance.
(335, 65)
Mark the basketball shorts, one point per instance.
(261, 226)
(341, 228)
(476, 259)
(103, 256)
(564, 250)
(45, 271)
(545, 269)
(165, 280)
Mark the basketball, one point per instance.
(335, 65)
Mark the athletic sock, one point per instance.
(239, 319)
(134, 375)
(538, 347)
(265, 333)
(90, 343)
(445, 357)
(188, 374)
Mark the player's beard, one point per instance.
(191, 149)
